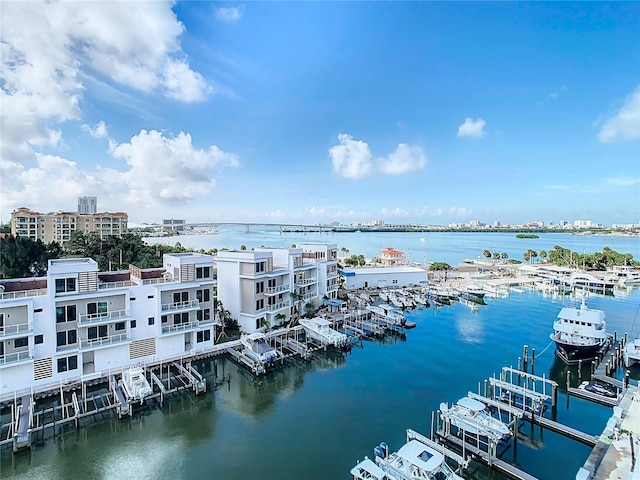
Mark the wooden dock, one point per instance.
(480, 455)
(565, 430)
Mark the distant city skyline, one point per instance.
(315, 112)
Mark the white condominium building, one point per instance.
(77, 323)
(264, 287)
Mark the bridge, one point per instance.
(296, 227)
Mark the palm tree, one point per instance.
(297, 300)
(344, 250)
(280, 317)
(543, 254)
(504, 255)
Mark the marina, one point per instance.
(309, 377)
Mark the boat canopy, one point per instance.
(471, 404)
(416, 453)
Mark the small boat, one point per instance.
(384, 295)
(320, 329)
(135, 384)
(631, 353)
(389, 314)
(471, 416)
(415, 460)
(579, 333)
(256, 346)
(599, 389)
(366, 298)
(471, 291)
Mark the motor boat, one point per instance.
(579, 333)
(415, 460)
(256, 346)
(471, 416)
(135, 384)
(320, 329)
(631, 353)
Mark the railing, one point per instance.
(155, 281)
(332, 274)
(277, 306)
(36, 292)
(277, 289)
(15, 357)
(87, 319)
(332, 288)
(122, 284)
(182, 326)
(100, 342)
(14, 329)
(279, 267)
(306, 281)
(172, 307)
(309, 296)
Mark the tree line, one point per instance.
(565, 257)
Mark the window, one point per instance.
(203, 272)
(97, 332)
(21, 342)
(65, 285)
(203, 295)
(198, 315)
(66, 313)
(207, 314)
(258, 323)
(97, 309)
(259, 287)
(38, 339)
(185, 317)
(185, 296)
(68, 337)
(176, 319)
(260, 266)
(176, 297)
(163, 319)
(67, 363)
(260, 304)
(133, 324)
(37, 310)
(151, 320)
(1, 322)
(203, 336)
(272, 283)
(149, 296)
(120, 326)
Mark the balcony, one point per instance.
(309, 296)
(11, 330)
(306, 281)
(106, 317)
(278, 306)
(108, 285)
(181, 306)
(277, 268)
(15, 357)
(276, 290)
(181, 327)
(23, 294)
(332, 275)
(105, 341)
(332, 288)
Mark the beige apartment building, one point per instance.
(58, 226)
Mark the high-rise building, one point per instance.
(58, 226)
(88, 205)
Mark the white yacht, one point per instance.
(471, 416)
(415, 460)
(579, 332)
(389, 314)
(256, 346)
(624, 275)
(631, 353)
(135, 384)
(320, 329)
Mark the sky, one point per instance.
(318, 112)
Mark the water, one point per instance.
(313, 420)
(419, 247)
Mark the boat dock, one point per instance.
(565, 430)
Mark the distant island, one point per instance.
(527, 235)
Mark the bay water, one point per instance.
(315, 419)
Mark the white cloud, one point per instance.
(460, 211)
(97, 131)
(351, 158)
(405, 159)
(47, 48)
(472, 128)
(228, 14)
(625, 123)
(316, 212)
(165, 170)
(32, 187)
(396, 212)
(622, 181)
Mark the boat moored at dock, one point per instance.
(579, 333)
(135, 384)
(320, 329)
(256, 346)
(471, 416)
(415, 460)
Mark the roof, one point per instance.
(471, 404)
(391, 251)
(350, 272)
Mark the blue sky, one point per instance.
(316, 112)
